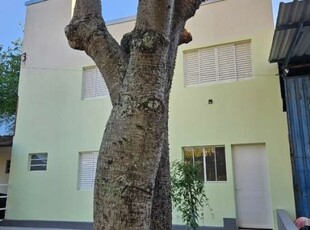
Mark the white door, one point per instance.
(252, 187)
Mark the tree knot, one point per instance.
(80, 30)
(153, 104)
(72, 34)
(148, 41)
(126, 42)
(185, 37)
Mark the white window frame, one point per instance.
(88, 174)
(188, 78)
(204, 161)
(31, 166)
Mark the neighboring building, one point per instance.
(5, 165)
(225, 114)
(291, 49)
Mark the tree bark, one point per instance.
(161, 218)
(132, 185)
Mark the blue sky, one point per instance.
(12, 17)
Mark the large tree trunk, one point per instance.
(161, 218)
(132, 186)
(127, 168)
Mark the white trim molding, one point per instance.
(31, 2)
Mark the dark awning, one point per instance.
(291, 40)
(6, 141)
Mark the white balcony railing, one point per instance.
(3, 197)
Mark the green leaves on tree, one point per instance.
(10, 60)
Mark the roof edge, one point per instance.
(108, 23)
(6, 141)
(31, 2)
(119, 20)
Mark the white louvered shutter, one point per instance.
(100, 88)
(229, 62)
(93, 83)
(89, 83)
(226, 62)
(191, 68)
(243, 60)
(207, 65)
(87, 169)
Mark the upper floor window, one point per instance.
(228, 62)
(93, 83)
(211, 160)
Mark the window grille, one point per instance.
(210, 159)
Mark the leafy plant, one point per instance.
(10, 60)
(188, 192)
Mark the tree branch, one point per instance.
(155, 15)
(87, 31)
(187, 8)
(185, 37)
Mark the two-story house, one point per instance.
(225, 114)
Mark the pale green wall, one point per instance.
(52, 117)
(245, 112)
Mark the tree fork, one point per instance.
(132, 178)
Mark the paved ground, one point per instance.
(21, 228)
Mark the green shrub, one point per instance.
(188, 192)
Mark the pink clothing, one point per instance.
(302, 222)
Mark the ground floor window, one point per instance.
(211, 159)
(37, 161)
